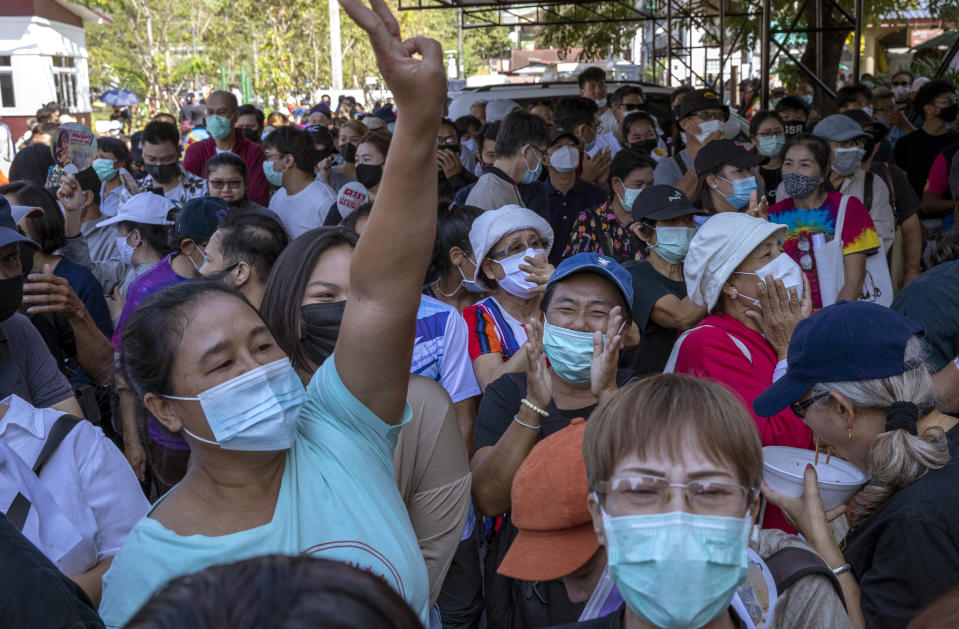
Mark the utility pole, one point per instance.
(459, 45)
(336, 51)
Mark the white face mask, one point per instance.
(515, 281)
(600, 102)
(565, 159)
(782, 268)
(707, 128)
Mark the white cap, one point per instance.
(919, 82)
(718, 248)
(20, 212)
(146, 207)
(499, 108)
(490, 227)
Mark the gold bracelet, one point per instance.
(912, 266)
(534, 408)
(516, 419)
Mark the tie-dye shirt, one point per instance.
(858, 232)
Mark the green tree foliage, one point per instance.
(157, 48)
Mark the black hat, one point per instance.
(320, 135)
(866, 121)
(721, 152)
(661, 203)
(198, 217)
(698, 100)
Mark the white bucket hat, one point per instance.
(490, 227)
(718, 248)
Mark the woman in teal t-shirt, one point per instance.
(274, 468)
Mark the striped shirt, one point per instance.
(492, 330)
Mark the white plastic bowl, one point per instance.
(783, 469)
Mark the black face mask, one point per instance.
(319, 329)
(948, 114)
(163, 173)
(11, 295)
(251, 135)
(369, 175)
(645, 147)
(348, 151)
(793, 128)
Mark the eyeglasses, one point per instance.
(801, 406)
(706, 116)
(219, 184)
(449, 139)
(517, 249)
(639, 494)
(540, 153)
(900, 83)
(772, 133)
(633, 106)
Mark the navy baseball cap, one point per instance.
(197, 218)
(600, 264)
(661, 203)
(9, 233)
(845, 342)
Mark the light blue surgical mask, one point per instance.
(772, 146)
(532, 175)
(105, 169)
(629, 196)
(470, 285)
(672, 243)
(677, 570)
(274, 177)
(218, 126)
(590, 145)
(742, 191)
(255, 411)
(570, 352)
(391, 126)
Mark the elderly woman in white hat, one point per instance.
(755, 294)
(510, 245)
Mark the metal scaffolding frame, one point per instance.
(492, 13)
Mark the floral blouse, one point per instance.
(599, 231)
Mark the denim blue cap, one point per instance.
(596, 263)
(845, 342)
(198, 217)
(9, 233)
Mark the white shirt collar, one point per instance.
(21, 413)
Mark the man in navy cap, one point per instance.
(27, 369)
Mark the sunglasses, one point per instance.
(800, 407)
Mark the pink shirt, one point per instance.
(938, 182)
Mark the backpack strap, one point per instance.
(789, 565)
(867, 190)
(679, 162)
(20, 507)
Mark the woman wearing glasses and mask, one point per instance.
(755, 294)
(674, 466)
(510, 246)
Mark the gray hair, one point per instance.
(947, 247)
(896, 458)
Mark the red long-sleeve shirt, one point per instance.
(252, 155)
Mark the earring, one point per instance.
(849, 433)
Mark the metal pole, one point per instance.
(947, 60)
(764, 56)
(461, 69)
(857, 41)
(722, 48)
(336, 51)
(819, 60)
(669, 43)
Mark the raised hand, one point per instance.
(45, 292)
(449, 163)
(539, 269)
(69, 194)
(539, 383)
(780, 311)
(602, 373)
(418, 85)
(757, 206)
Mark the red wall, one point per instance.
(41, 8)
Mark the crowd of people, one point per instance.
(513, 370)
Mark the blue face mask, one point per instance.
(274, 177)
(672, 243)
(470, 285)
(742, 190)
(255, 411)
(391, 126)
(677, 570)
(570, 353)
(218, 126)
(105, 169)
(532, 175)
(629, 196)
